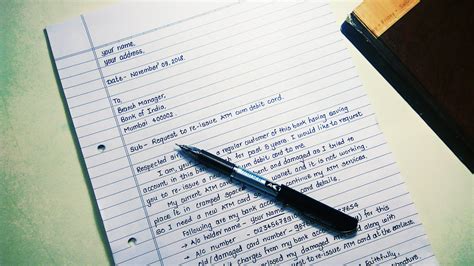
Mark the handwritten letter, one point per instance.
(269, 86)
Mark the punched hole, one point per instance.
(132, 242)
(101, 147)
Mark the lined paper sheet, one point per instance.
(269, 86)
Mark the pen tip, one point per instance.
(184, 147)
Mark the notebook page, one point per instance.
(270, 87)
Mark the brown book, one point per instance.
(425, 49)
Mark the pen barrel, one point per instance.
(254, 180)
(316, 210)
(210, 160)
